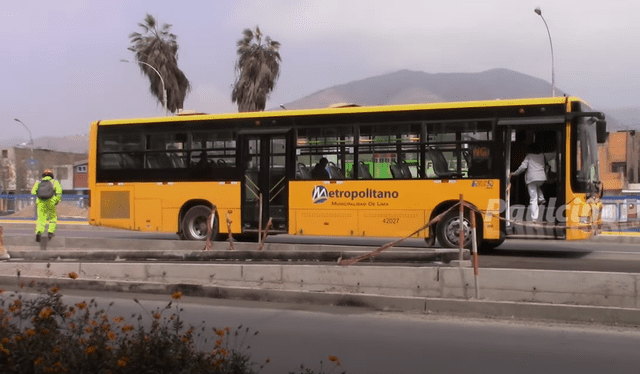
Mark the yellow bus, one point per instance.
(390, 170)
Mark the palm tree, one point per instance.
(158, 48)
(257, 70)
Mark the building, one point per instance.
(21, 167)
(81, 176)
(620, 162)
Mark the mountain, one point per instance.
(412, 87)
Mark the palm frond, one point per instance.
(257, 70)
(159, 49)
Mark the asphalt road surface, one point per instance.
(619, 254)
(372, 342)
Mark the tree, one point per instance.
(257, 70)
(158, 48)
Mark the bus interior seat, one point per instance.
(302, 171)
(406, 172)
(363, 171)
(159, 161)
(440, 165)
(335, 172)
(396, 173)
(400, 171)
(177, 161)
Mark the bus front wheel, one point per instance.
(194, 223)
(448, 230)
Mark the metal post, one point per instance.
(229, 229)
(164, 88)
(461, 235)
(260, 219)
(266, 232)
(553, 74)
(474, 249)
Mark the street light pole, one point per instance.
(30, 137)
(553, 75)
(31, 162)
(164, 89)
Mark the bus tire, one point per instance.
(194, 224)
(448, 230)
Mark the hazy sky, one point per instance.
(61, 70)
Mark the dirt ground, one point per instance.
(66, 209)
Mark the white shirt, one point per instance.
(534, 165)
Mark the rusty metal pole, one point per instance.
(260, 220)
(474, 249)
(229, 230)
(461, 226)
(266, 232)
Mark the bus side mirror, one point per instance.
(601, 131)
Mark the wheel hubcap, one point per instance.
(453, 231)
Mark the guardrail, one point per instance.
(621, 209)
(22, 206)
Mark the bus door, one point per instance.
(265, 190)
(518, 140)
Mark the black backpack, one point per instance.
(45, 190)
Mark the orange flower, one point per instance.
(119, 319)
(177, 295)
(73, 275)
(2, 290)
(5, 341)
(90, 349)
(72, 326)
(93, 323)
(30, 332)
(123, 361)
(18, 338)
(45, 313)
(81, 305)
(334, 359)
(56, 350)
(220, 332)
(111, 335)
(88, 330)
(157, 315)
(127, 328)
(54, 289)
(38, 361)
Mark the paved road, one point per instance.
(377, 342)
(613, 254)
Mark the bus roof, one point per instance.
(345, 110)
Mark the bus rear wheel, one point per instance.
(194, 224)
(448, 230)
